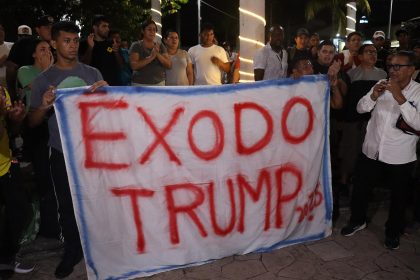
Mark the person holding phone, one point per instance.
(387, 150)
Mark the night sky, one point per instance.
(290, 14)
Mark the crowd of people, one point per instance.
(374, 122)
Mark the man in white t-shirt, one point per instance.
(208, 59)
(270, 62)
(4, 53)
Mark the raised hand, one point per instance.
(17, 112)
(46, 60)
(97, 85)
(48, 97)
(333, 72)
(378, 90)
(395, 89)
(90, 41)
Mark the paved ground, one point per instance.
(361, 256)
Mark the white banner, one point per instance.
(167, 177)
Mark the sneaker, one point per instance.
(351, 229)
(65, 267)
(18, 267)
(392, 243)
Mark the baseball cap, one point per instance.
(378, 34)
(24, 30)
(302, 31)
(44, 20)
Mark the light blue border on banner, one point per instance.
(62, 94)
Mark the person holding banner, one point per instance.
(387, 149)
(66, 72)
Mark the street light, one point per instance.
(389, 20)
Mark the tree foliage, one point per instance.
(338, 10)
(125, 15)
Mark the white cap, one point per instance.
(24, 30)
(378, 34)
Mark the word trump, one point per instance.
(237, 216)
(168, 177)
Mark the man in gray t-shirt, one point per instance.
(66, 72)
(80, 75)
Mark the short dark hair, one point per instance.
(296, 61)
(411, 57)
(275, 26)
(146, 23)
(33, 42)
(351, 34)
(363, 47)
(65, 26)
(206, 26)
(97, 19)
(326, 43)
(113, 32)
(400, 31)
(170, 31)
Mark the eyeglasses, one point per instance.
(371, 52)
(396, 67)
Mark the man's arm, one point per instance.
(368, 102)
(223, 66)
(408, 109)
(338, 90)
(37, 115)
(86, 52)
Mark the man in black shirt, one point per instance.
(325, 64)
(101, 53)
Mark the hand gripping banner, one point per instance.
(167, 177)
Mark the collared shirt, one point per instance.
(273, 63)
(383, 140)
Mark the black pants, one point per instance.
(368, 174)
(15, 200)
(65, 205)
(37, 150)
